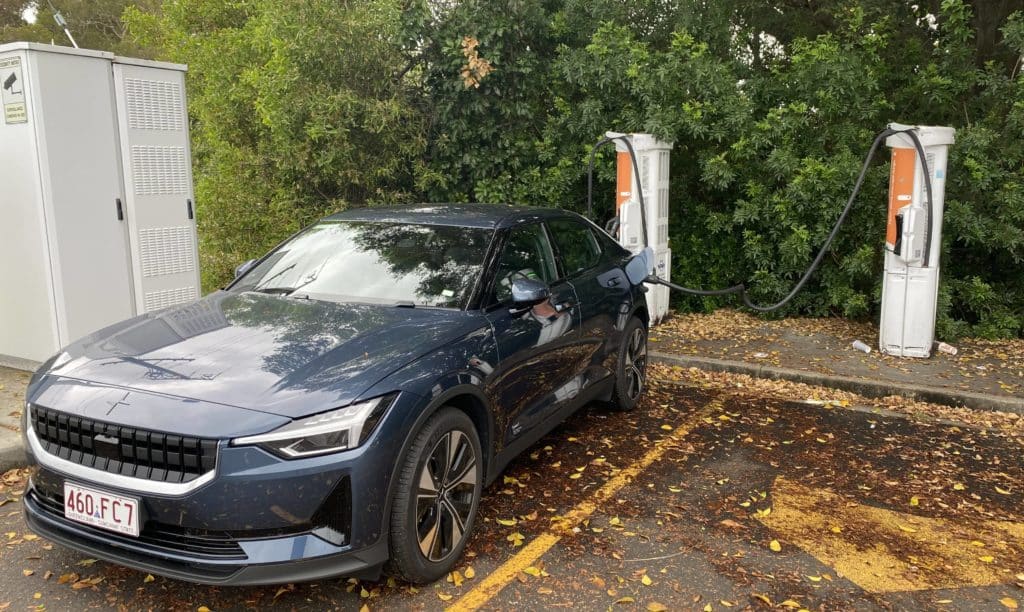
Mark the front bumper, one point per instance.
(256, 519)
(296, 558)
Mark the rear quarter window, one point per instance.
(577, 245)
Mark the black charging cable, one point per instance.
(636, 173)
(741, 288)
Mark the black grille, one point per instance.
(167, 538)
(128, 451)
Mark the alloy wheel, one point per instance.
(636, 363)
(444, 499)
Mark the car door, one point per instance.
(602, 288)
(538, 346)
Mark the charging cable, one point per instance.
(741, 289)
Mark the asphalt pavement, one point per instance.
(708, 497)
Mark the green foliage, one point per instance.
(95, 24)
(771, 110)
(306, 106)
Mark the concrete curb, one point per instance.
(867, 388)
(12, 454)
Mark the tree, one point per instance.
(95, 24)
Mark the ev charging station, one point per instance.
(652, 158)
(913, 236)
(913, 240)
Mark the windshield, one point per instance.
(388, 263)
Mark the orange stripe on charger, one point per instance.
(901, 188)
(623, 179)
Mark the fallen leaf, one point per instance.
(667, 427)
(905, 528)
(789, 603)
(763, 598)
(469, 573)
(655, 606)
(148, 578)
(646, 580)
(914, 501)
(775, 546)
(544, 591)
(1002, 490)
(87, 562)
(444, 596)
(987, 558)
(506, 522)
(958, 486)
(625, 600)
(1009, 603)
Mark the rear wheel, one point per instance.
(439, 490)
(631, 375)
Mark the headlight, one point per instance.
(327, 432)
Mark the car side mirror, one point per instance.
(245, 267)
(527, 292)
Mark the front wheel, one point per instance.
(439, 490)
(631, 374)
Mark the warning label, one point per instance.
(12, 90)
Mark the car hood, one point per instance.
(281, 355)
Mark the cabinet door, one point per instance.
(73, 113)
(153, 126)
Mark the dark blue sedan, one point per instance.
(338, 409)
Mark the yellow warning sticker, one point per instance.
(12, 90)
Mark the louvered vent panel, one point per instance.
(159, 170)
(154, 105)
(155, 300)
(166, 250)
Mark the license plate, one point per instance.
(101, 509)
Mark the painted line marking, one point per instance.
(505, 573)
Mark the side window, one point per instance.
(527, 253)
(576, 243)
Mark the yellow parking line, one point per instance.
(507, 571)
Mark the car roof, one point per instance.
(487, 216)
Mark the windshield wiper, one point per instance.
(276, 290)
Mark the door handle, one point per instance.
(120, 209)
(613, 282)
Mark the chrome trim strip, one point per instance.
(103, 478)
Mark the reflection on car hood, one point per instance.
(270, 353)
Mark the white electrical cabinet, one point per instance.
(97, 222)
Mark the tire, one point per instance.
(631, 372)
(437, 498)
